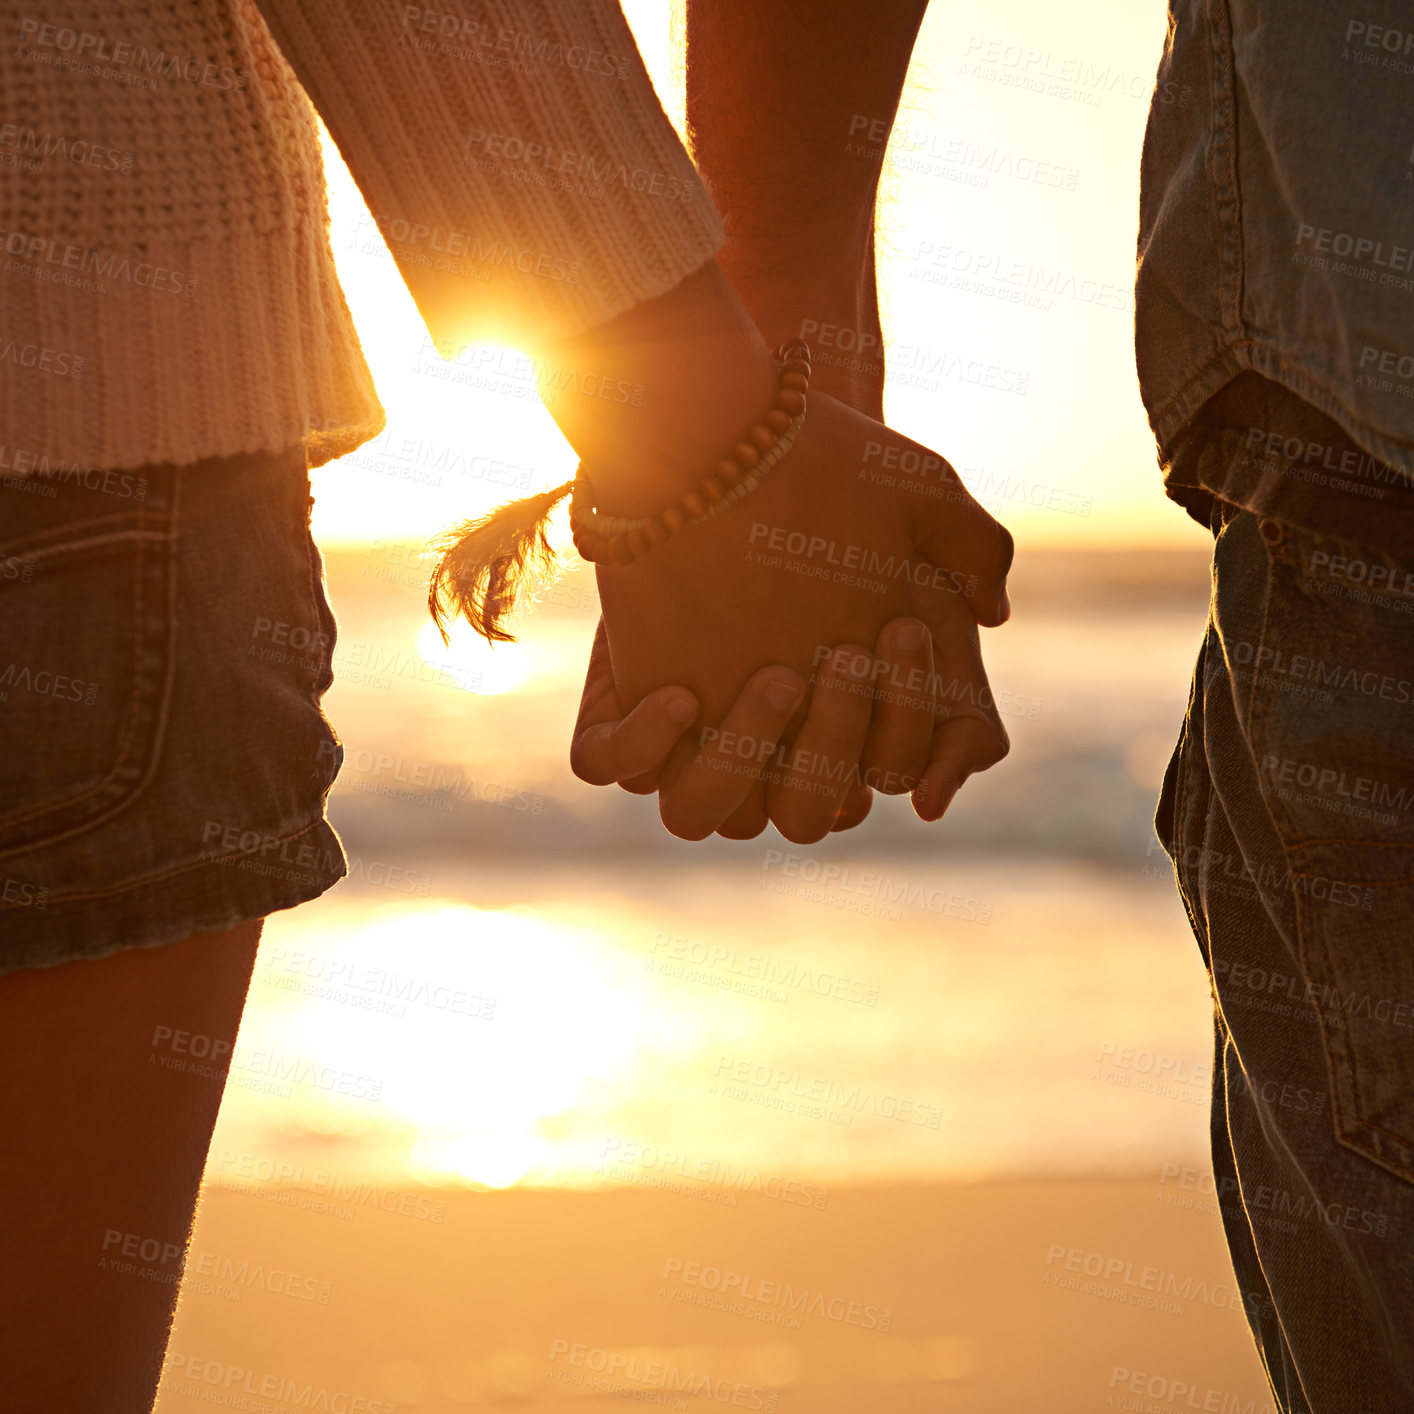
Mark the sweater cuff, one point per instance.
(519, 165)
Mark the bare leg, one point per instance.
(106, 1112)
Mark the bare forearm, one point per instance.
(789, 106)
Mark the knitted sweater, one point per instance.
(167, 289)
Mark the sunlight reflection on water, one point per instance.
(578, 1041)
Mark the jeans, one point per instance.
(164, 646)
(1288, 811)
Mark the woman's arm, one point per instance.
(518, 163)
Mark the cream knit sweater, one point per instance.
(167, 290)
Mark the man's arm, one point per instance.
(789, 106)
(789, 110)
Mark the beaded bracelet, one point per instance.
(483, 562)
(620, 540)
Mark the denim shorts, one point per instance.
(1288, 810)
(164, 645)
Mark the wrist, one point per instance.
(833, 305)
(697, 373)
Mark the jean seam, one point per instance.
(129, 884)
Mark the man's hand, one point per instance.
(820, 555)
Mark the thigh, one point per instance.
(113, 1072)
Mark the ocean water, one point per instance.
(526, 981)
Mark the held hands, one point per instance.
(840, 547)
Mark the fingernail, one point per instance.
(910, 638)
(680, 708)
(782, 694)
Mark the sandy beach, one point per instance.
(674, 1241)
(901, 1299)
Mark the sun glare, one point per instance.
(481, 667)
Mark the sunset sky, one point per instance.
(1006, 236)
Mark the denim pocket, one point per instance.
(86, 623)
(1332, 732)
